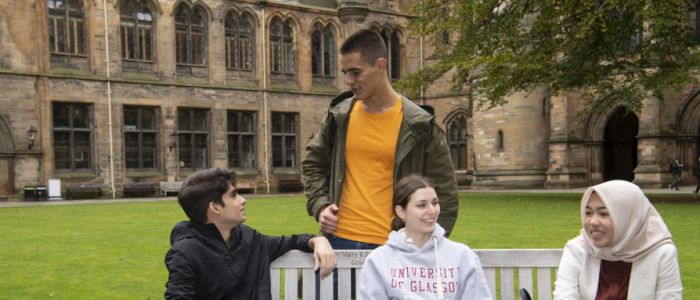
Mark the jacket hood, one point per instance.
(207, 233)
(182, 230)
(399, 241)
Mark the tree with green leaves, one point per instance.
(611, 50)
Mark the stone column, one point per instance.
(216, 60)
(654, 149)
(564, 169)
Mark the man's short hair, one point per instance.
(202, 188)
(369, 43)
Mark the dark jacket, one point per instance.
(676, 168)
(421, 149)
(201, 266)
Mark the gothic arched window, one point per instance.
(190, 35)
(136, 30)
(239, 41)
(322, 52)
(457, 140)
(282, 47)
(393, 46)
(67, 27)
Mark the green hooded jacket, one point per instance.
(421, 149)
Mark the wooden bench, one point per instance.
(170, 187)
(84, 191)
(139, 188)
(500, 268)
(289, 185)
(246, 186)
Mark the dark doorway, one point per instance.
(5, 180)
(6, 154)
(621, 145)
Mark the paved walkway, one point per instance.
(685, 190)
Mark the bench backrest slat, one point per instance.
(290, 284)
(500, 267)
(525, 279)
(344, 284)
(275, 283)
(507, 283)
(490, 275)
(544, 286)
(309, 284)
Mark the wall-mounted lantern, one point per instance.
(31, 135)
(173, 140)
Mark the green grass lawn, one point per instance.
(116, 250)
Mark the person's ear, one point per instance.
(381, 64)
(215, 208)
(400, 212)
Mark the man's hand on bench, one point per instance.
(324, 256)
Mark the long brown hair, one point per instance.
(402, 195)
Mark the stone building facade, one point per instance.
(167, 87)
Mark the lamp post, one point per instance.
(31, 135)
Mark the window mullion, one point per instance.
(188, 43)
(55, 34)
(323, 53)
(138, 149)
(193, 133)
(239, 117)
(283, 137)
(66, 33)
(240, 149)
(139, 139)
(71, 144)
(137, 38)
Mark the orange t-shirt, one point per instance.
(365, 201)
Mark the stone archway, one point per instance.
(688, 124)
(620, 145)
(7, 147)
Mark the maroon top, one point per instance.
(614, 280)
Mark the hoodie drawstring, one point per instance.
(440, 295)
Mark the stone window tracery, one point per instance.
(240, 37)
(323, 52)
(136, 27)
(67, 37)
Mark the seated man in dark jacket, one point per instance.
(215, 256)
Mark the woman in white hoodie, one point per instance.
(418, 261)
(624, 250)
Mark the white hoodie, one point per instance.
(442, 269)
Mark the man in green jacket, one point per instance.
(371, 138)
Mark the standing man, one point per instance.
(215, 256)
(371, 138)
(676, 169)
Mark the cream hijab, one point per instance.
(638, 227)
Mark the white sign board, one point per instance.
(54, 189)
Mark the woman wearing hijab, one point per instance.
(624, 250)
(418, 262)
